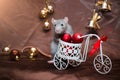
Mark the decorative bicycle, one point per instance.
(70, 53)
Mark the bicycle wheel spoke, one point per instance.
(102, 68)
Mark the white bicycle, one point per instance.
(70, 53)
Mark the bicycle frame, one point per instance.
(84, 56)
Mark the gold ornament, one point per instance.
(15, 55)
(93, 22)
(33, 53)
(46, 26)
(50, 9)
(6, 50)
(104, 6)
(43, 14)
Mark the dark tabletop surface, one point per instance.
(20, 26)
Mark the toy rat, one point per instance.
(60, 27)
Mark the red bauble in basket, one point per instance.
(76, 38)
(66, 37)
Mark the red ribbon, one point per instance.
(95, 48)
(104, 38)
(97, 45)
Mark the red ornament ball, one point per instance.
(14, 54)
(76, 38)
(66, 37)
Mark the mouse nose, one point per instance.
(58, 31)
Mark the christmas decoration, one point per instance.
(76, 38)
(50, 9)
(46, 26)
(6, 50)
(14, 55)
(93, 22)
(66, 37)
(33, 53)
(104, 38)
(101, 6)
(95, 48)
(97, 45)
(70, 53)
(29, 51)
(45, 12)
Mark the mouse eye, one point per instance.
(55, 25)
(62, 25)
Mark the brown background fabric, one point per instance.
(21, 26)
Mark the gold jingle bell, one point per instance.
(15, 55)
(93, 22)
(46, 26)
(6, 50)
(33, 53)
(104, 6)
(50, 9)
(43, 13)
(93, 25)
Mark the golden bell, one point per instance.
(43, 13)
(93, 22)
(93, 25)
(50, 9)
(33, 53)
(96, 16)
(33, 49)
(104, 6)
(6, 50)
(46, 26)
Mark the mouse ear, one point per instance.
(53, 20)
(66, 19)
